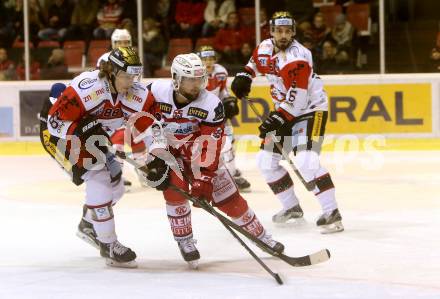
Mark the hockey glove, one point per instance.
(202, 188)
(88, 126)
(114, 167)
(158, 174)
(273, 122)
(231, 107)
(241, 85)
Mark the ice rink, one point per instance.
(391, 247)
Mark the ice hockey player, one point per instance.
(299, 119)
(122, 38)
(194, 117)
(217, 77)
(87, 112)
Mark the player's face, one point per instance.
(283, 36)
(209, 63)
(124, 81)
(122, 43)
(190, 87)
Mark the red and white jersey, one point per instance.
(203, 117)
(87, 94)
(217, 82)
(293, 85)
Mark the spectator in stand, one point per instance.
(245, 53)
(154, 46)
(216, 14)
(55, 69)
(188, 18)
(109, 17)
(6, 26)
(36, 20)
(59, 15)
(83, 20)
(6, 66)
(264, 25)
(319, 30)
(333, 61)
(34, 69)
(129, 25)
(435, 55)
(343, 33)
(229, 40)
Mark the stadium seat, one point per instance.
(176, 46)
(20, 44)
(96, 49)
(48, 44)
(73, 53)
(330, 13)
(358, 14)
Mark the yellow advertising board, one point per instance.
(358, 109)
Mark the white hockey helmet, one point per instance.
(189, 66)
(120, 35)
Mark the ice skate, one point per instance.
(189, 252)
(242, 184)
(275, 245)
(330, 222)
(283, 216)
(87, 233)
(117, 255)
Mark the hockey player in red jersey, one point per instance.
(87, 112)
(217, 77)
(194, 118)
(299, 120)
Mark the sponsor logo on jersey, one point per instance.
(262, 61)
(198, 112)
(86, 83)
(165, 108)
(183, 129)
(133, 97)
(219, 112)
(100, 91)
(217, 134)
(178, 113)
(181, 210)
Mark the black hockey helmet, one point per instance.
(125, 59)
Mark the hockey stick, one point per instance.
(309, 185)
(307, 260)
(207, 207)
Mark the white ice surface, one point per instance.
(390, 249)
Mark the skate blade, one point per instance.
(332, 228)
(194, 265)
(87, 239)
(290, 221)
(112, 263)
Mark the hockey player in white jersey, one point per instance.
(194, 119)
(90, 110)
(120, 38)
(217, 77)
(299, 120)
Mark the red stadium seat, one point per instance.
(48, 44)
(96, 49)
(20, 44)
(176, 46)
(73, 53)
(330, 12)
(358, 14)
